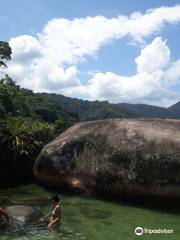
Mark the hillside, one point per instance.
(175, 110)
(92, 110)
(148, 111)
(28, 121)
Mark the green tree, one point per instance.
(5, 53)
(2, 111)
(61, 124)
(24, 136)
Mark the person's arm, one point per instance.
(46, 217)
(58, 216)
(4, 214)
(53, 222)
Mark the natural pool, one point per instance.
(87, 218)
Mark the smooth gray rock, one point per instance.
(23, 213)
(116, 156)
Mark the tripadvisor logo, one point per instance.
(140, 231)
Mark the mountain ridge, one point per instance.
(92, 110)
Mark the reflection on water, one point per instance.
(38, 231)
(84, 218)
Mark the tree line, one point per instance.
(27, 122)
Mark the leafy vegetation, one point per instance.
(92, 110)
(149, 111)
(5, 53)
(27, 122)
(23, 136)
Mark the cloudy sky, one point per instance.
(120, 51)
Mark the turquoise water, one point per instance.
(87, 218)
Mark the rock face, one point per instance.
(23, 213)
(119, 156)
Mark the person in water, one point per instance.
(55, 213)
(4, 215)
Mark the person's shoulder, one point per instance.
(57, 207)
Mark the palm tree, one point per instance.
(22, 136)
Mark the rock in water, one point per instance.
(116, 156)
(23, 213)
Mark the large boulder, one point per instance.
(23, 213)
(118, 156)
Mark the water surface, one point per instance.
(87, 218)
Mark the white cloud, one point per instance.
(47, 62)
(173, 73)
(25, 48)
(60, 75)
(31, 66)
(69, 41)
(153, 57)
(16, 71)
(149, 85)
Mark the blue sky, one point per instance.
(22, 16)
(93, 58)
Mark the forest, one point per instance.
(30, 120)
